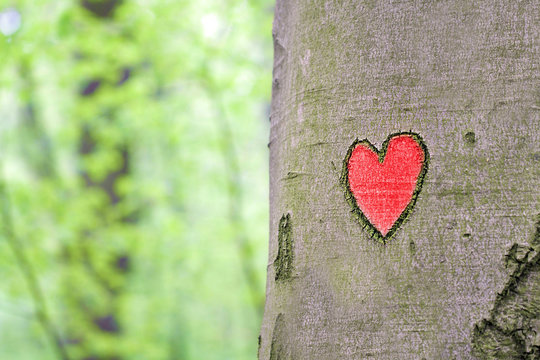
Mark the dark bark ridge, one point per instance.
(366, 224)
(284, 260)
(512, 330)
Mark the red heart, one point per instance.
(382, 186)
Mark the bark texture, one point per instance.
(460, 279)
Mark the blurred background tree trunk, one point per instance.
(99, 305)
(133, 178)
(460, 278)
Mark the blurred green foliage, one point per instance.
(133, 178)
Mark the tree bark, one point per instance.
(460, 278)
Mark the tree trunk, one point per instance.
(460, 278)
(99, 306)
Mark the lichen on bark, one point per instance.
(512, 330)
(284, 260)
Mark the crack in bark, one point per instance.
(284, 260)
(294, 174)
(512, 330)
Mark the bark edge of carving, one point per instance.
(284, 260)
(349, 197)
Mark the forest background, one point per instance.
(133, 181)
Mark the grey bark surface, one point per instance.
(461, 277)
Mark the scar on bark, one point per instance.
(278, 349)
(512, 330)
(259, 340)
(284, 260)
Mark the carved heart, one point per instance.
(382, 186)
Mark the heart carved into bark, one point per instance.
(382, 186)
